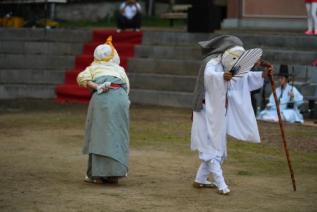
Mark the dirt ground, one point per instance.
(42, 168)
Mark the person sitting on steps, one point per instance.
(129, 16)
(289, 99)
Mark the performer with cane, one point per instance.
(222, 105)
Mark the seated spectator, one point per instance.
(289, 99)
(129, 16)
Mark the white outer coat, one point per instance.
(212, 124)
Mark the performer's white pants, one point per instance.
(212, 166)
(311, 15)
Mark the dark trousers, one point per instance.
(254, 101)
(124, 23)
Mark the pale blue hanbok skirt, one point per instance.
(107, 131)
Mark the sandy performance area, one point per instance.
(42, 168)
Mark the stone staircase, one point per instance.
(124, 43)
(33, 61)
(162, 72)
(164, 68)
(165, 65)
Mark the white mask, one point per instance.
(230, 57)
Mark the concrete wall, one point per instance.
(85, 11)
(274, 8)
(294, 9)
(95, 11)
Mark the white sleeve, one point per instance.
(213, 78)
(255, 80)
(271, 102)
(213, 70)
(298, 97)
(83, 77)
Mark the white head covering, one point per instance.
(106, 53)
(230, 57)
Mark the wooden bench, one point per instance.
(177, 12)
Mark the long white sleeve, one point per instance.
(83, 77)
(255, 80)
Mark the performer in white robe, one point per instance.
(222, 105)
(289, 98)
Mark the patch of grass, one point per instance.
(244, 173)
(159, 126)
(168, 129)
(41, 114)
(265, 159)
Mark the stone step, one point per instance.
(49, 77)
(162, 82)
(173, 38)
(56, 35)
(13, 91)
(168, 52)
(161, 98)
(292, 41)
(308, 89)
(40, 47)
(21, 61)
(184, 53)
(191, 67)
(260, 31)
(289, 56)
(295, 42)
(264, 24)
(163, 66)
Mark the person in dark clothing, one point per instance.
(129, 16)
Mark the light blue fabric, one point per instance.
(291, 115)
(101, 166)
(107, 130)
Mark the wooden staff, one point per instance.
(282, 130)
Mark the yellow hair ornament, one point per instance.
(109, 40)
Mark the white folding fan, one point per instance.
(246, 61)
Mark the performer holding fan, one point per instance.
(222, 105)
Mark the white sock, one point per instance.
(215, 169)
(202, 173)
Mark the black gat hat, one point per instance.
(283, 72)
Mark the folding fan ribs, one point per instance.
(123, 42)
(246, 61)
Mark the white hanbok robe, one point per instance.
(212, 124)
(288, 114)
